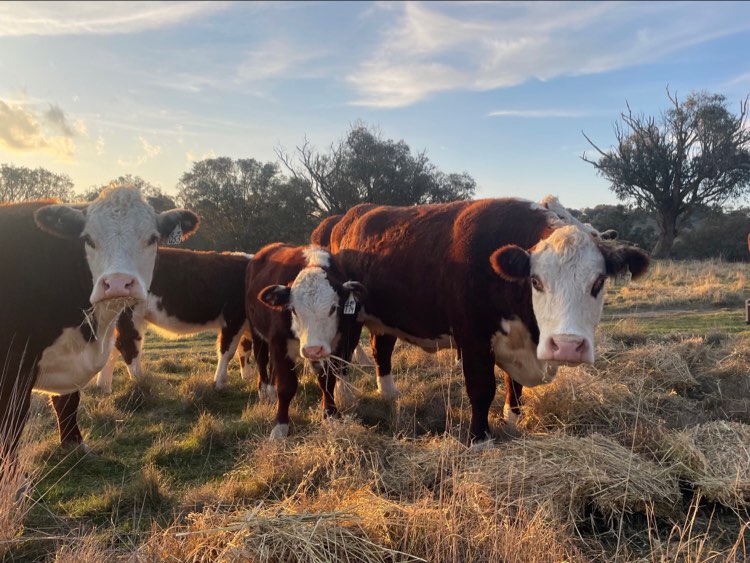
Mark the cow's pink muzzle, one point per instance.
(567, 348)
(113, 286)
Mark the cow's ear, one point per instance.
(511, 263)
(275, 296)
(357, 290)
(61, 220)
(609, 234)
(619, 259)
(167, 222)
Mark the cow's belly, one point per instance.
(515, 352)
(377, 326)
(70, 362)
(170, 326)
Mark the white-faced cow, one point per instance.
(191, 292)
(300, 304)
(66, 274)
(506, 282)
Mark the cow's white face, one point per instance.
(315, 305)
(120, 232)
(567, 280)
(567, 272)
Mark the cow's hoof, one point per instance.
(387, 388)
(342, 395)
(279, 432)
(267, 394)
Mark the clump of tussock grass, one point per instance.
(16, 482)
(145, 491)
(196, 392)
(86, 549)
(104, 417)
(714, 458)
(135, 394)
(170, 365)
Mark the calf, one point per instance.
(299, 303)
(191, 292)
(67, 273)
(506, 282)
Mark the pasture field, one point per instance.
(644, 456)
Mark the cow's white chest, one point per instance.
(376, 326)
(170, 326)
(515, 352)
(70, 362)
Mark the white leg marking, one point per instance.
(511, 418)
(104, 378)
(279, 432)
(267, 393)
(487, 444)
(387, 388)
(222, 376)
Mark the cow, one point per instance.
(191, 292)
(505, 282)
(299, 304)
(67, 272)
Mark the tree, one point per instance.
(244, 204)
(18, 183)
(696, 154)
(155, 197)
(631, 223)
(364, 167)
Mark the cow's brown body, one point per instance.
(45, 285)
(279, 264)
(429, 280)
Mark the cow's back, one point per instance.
(44, 282)
(321, 236)
(427, 268)
(197, 287)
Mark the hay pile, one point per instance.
(714, 458)
(574, 475)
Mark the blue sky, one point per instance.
(499, 90)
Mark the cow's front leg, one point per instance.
(66, 410)
(512, 407)
(266, 389)
(479, 376)
(327, 383)
(129, 341)
(226, 347)
(382, 350)
(285, 380)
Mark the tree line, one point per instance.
(676, 175)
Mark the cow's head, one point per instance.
(322, 304)
(567, 272)
(120, 232)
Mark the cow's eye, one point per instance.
(536, 283)
(598, 285)
(332, 311)
(88, 241)
(153, 240)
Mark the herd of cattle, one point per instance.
(504, 282)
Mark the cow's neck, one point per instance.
(78, 353)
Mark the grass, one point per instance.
(618, 461)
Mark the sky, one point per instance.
(501, 90)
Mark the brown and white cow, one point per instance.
(506, 282)
(191, 292)
(300, 304)
(66, 274)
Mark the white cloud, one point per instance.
(543, 113)
(24, 128)
(276, 58)
(149, 152)
(191, 157)
(99, 146)
(429, 48)
(96, 18)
